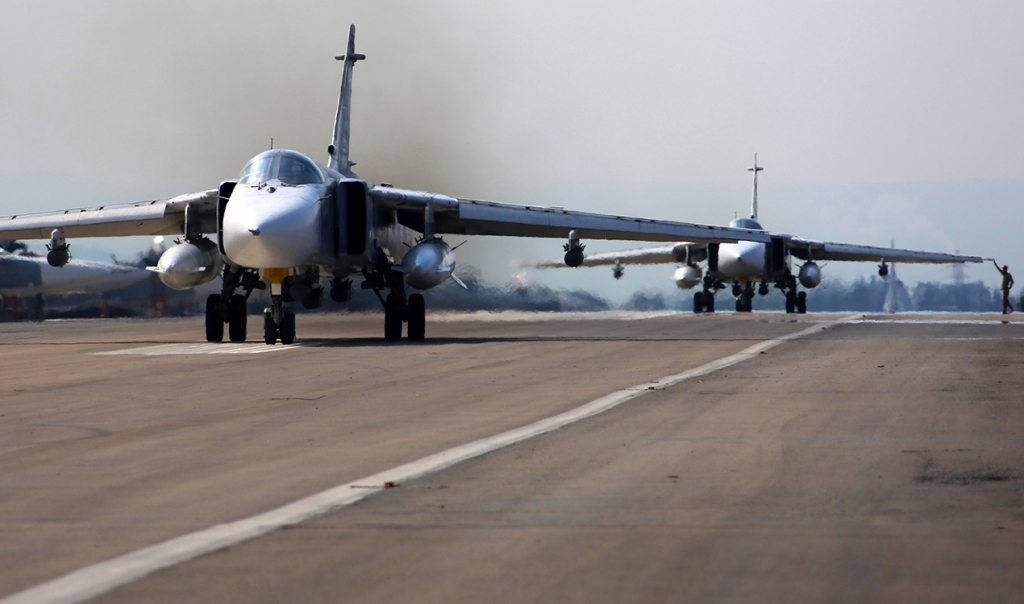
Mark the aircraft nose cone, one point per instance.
(271, 231)
(751, 258)
(741, 260)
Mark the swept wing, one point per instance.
(156, 217)
(807, 249)
(477, 217)
(452, 215)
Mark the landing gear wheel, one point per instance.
(709, 302)
(744, 304)
(286, 330)
(214, 322)
(392, 320)
(417, 318)
(269, 328)
(801, 303)
(790, 302)
(236, 318)
(698, 302)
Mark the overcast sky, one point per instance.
(875, 120)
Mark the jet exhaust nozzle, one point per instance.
(190, 264)
(810, 275)
(429, 264)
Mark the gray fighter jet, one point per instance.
(287, 221)
(748, 263)
(27, 276)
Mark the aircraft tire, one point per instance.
(698, 302)
(237, 318)
(286, 331)
(709, 302)
(269, 329)
(801, 303)
(790, 302)
(214, 322)
(392, 320)
(417, 318)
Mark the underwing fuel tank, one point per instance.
(688, 277)
(428, 264)
(189, 264)
(810, 275)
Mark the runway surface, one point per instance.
(879, 459)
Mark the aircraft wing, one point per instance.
(845, 252)
(651, 255)
(157, 217)
(475, 217)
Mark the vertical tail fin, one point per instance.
(753, 200)
(339, 147)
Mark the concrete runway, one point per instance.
(879, 460)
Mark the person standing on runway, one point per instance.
(1006, 286)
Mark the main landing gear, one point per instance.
(229, 307)
(796, 302)
(704, 300)
(398, 308)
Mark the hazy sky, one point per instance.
(875, 120)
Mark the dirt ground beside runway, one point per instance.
(870, 462)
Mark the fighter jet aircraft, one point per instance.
(288, 220)
(23, 275)
(748, 263)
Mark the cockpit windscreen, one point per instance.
(746, 223)
(289, 167)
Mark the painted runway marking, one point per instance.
(198, 348)
(101, 578)
(938, 321)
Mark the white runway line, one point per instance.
(523, 316)
(939, 321)
(199, 348)
(101, 578)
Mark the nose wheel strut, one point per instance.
(278, 322)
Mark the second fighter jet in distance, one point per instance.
(747, 266)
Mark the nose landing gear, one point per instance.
(744, 297)
(278, 323)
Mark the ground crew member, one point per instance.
(1006, 286)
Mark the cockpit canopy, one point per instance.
(746, 223)
(289, 167)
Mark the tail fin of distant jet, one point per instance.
(753, 200)
(339, 147)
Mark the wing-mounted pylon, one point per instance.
(338, 149)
